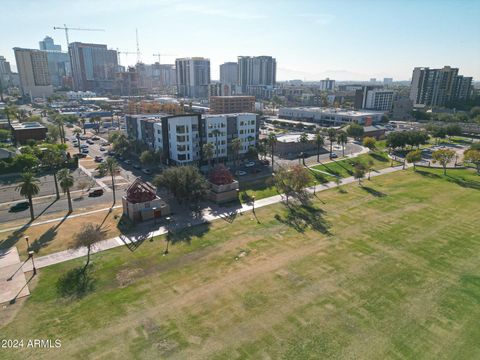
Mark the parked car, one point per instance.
(111, 152)
(146, 171)
(95, 192)
(90, 142)
(83, 146)
(85, 151)
(105, 143)
(136, 166)
(102, 148)
(250, 164)
(75, 145)
(240, 173)
(98, 158)
(21, 206)
(334, 155)
(264, 162)
(83, 137)
(128, 162)
(95, 138)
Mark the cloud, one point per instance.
(217, 11)
(321, 19)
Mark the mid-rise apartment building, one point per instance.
(181, 137)
(439, 87)
(32, 66)
(193, 77)
(231, 104)
(374, 97)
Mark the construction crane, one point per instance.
(138, 46)
(163, 55)
(67, 29)
(125, 53)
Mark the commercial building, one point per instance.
(439, 87)
(181, 137)
(221, 89)
(49, 45)
(330, 116)
(193, 77)
(387, 81)
(257, 73)
(32, 66)
(290, 146)
(93, 67)
(22, 132)
(374, 98)
(327, 85)
(7, 77)
(231, 104)
(228, 73)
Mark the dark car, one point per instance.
(136, 166)
(21, 206)
(98, 159)
(95, 192)
(264, 162)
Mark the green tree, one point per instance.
(342, 139)
(236, 147)
(4, 135)
(320, 141)
(25, 162)
(356, 131)
(52, 159)
(112, 167)
(272, 142)
(58, 120)
(208, 152)
(11, 112)
(443, 156)
(83, 121)
(369, 142)
(186, 183)
(52, 133)
(303, 138)
(413, 157)
(472, 155)
(359, 170)
(29, 188)
(332, 136)
(66, 182)
(292, 181)
(147, 157)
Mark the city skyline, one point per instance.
(356, 41)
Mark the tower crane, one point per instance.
(163, 55)
(67, 29)
(125, 53)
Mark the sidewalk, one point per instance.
(181, 222)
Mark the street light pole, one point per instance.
(253, 203)
(30, 255)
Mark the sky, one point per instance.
(311, 40)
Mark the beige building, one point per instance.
(141, 203)
(32, 66)
(232, 104)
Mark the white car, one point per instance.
(250, 164)
(241, 173)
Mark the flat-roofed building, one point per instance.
(22, 132)
(33, 71)
(231, 104)
(330, 116)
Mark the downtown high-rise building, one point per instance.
(327, 85)
(228, 73)
(193, 77)
(58, 62)
(93, 67)
(439, 87)
(33, 71)
(48, 44)
(256, 73)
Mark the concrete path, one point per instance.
(13, 284)
(180, 222)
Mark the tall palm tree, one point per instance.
(28, 188)
(112, 167)
(236, 146)
(207, 150)
(53, 159)
(216, 133)
(59, 121)
(342, 139)
(11, 112)
(272, 141)
(332, 134)
(77, 133)
(66, 182)
(320, 141)
(82, 120)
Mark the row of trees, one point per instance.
(401, 139)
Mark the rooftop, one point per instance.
(27, 125)
(335, 110)
(293, 137)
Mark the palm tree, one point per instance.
(53, 159)
(59, 121)
(66, 182)
(207, 150)
(320, 142)
(236, 146)
(216, 133)
(112, 167)
(77, 133)
(332, 134)
(342, 139)
(272, 141)
(10, 112)
(28, 188)
(82, 120)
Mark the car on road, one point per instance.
(147, 171)
(334, 155)
(250, 164)
(240, 173)
(136, 166)
(95, 192)
(102, 148)
(128, 162)
(21, 206)
(98, 158)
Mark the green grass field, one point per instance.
(344, 168)
(390, 270)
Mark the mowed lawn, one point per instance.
(344, 168)
(391, 270)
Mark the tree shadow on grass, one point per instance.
(373, 192)
(186, 234)
(470, 184)
(13, 238)
(339, 163)
(75, 283)
(47, 236)
(378, 157)
(304, 217)
(428, 174)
